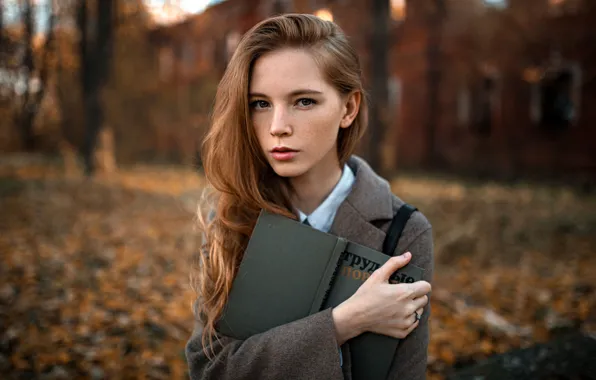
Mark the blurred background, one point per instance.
(483, 116)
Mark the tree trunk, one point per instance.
(1, 27)
(95, 57)
(32, 100)
(26, 115)
(379, 76)
(434, 78)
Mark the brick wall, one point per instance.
(514, 144)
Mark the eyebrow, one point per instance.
(291, 94)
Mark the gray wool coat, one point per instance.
(307, 348)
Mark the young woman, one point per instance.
(288, 114)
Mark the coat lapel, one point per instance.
(370, 200)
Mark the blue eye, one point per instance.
(259, 104)
(306, 102)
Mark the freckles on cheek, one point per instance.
(320, 137)
(327, 127)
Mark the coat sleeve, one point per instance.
(303, 349)
(412, 353)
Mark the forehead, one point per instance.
(282, 71)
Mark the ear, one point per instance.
(351, 108)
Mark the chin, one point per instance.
(288, 169)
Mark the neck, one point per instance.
(311, 188)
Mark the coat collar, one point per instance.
(370, 200)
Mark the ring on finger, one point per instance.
(417, 316)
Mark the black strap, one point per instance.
(396, 228)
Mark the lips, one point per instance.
(282, 149)
(283, 153)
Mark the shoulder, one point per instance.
(367, 213)
(417, 224)
(416, 238)
(373, 197)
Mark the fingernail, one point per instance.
(407, 255)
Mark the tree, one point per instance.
(435, 22)
(2, 36)
(1, 24)
(379, 76)
(95, 54)
(33, 97)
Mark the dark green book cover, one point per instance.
(372, 354)
(290, 270)
(284, 276)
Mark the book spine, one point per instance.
(329, 276)
(331, 281)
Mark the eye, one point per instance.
(259, 104)
(306, 102)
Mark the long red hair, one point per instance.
(241, 181)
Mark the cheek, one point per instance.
(321, 131)
(324, 126)
(260, 124)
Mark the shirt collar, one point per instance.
(322, 218)
(369, 204)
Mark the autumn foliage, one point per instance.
(94, 275)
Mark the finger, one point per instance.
(420, 302)
(413, 317)
(420, 313)
(416, 316)
(411, 328)
(393, 264)
(406, 321)
(418, 289)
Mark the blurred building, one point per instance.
(496, 87)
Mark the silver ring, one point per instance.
(417, 315)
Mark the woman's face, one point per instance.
(296, 113)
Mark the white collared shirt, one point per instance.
(322, 218)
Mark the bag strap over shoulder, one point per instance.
(396, 228)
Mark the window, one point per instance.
(187, 58)
(485, 105)
(220, 55)
(463, 107)
(207, 52)
(394, 94)
(558, 99)
(166, 63)
(555, 93)
(232, 41)
(476, 104)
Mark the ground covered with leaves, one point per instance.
(94, 273)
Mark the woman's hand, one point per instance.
(381, 307)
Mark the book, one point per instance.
(284, 276)
(290, 270)
(372, 354)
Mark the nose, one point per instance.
(280, 124)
